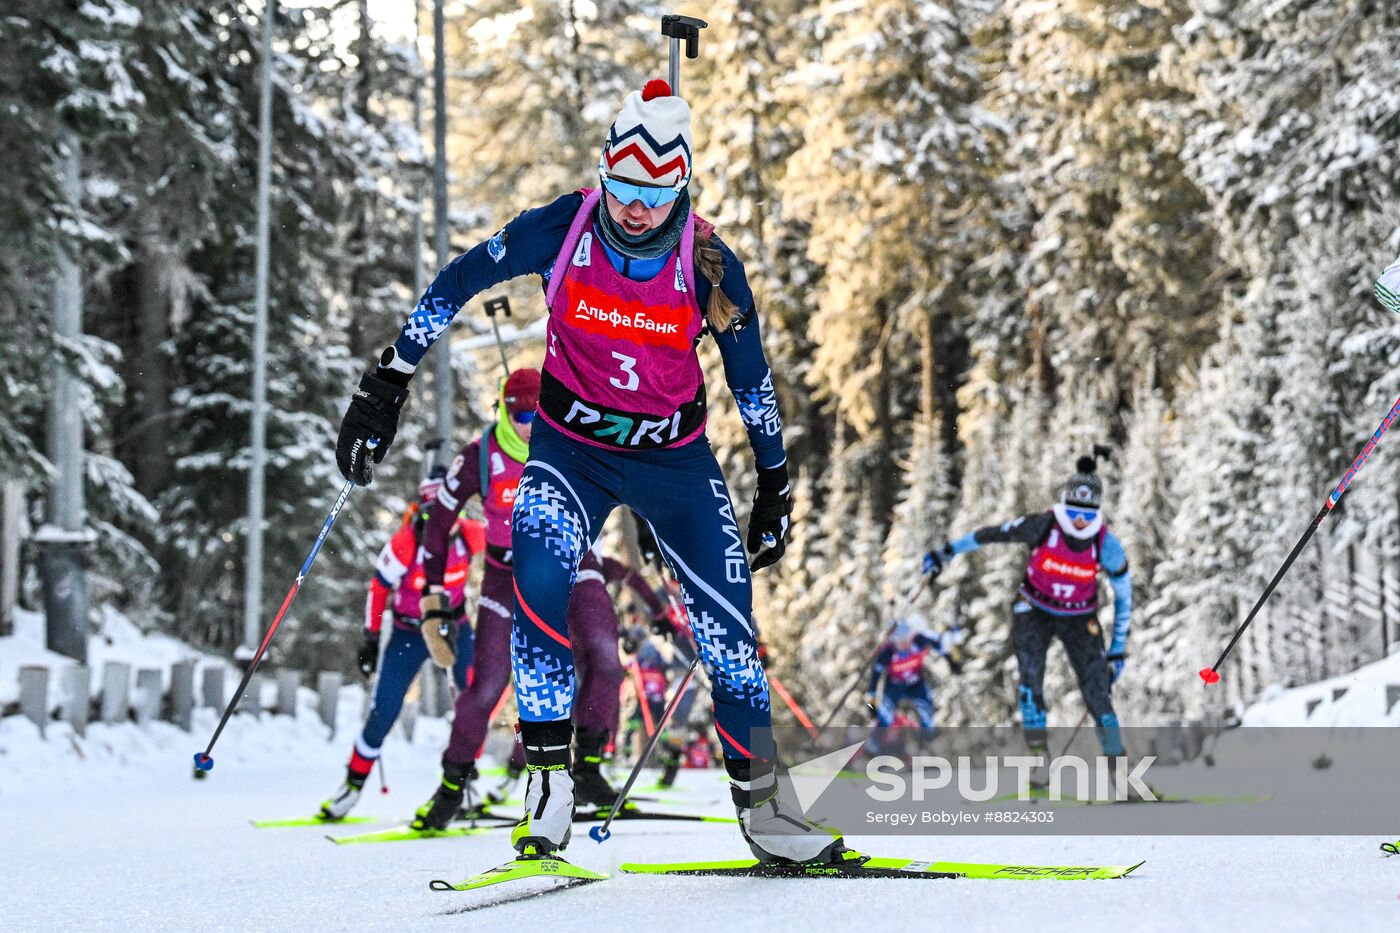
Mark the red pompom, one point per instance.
(1209, 675)
(655, 88)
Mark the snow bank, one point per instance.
(1367, 696)
(117, 639)
(137, 752)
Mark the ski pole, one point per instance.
(1075, 734)
(1211, 675)
(636, 671)
(501, 304)
(203, 760)
(601, 834)
(782, 692)
(373, 691)
(860, 679)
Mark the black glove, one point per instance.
(936, 560)
(772, 504)
(661, 625)
(1116, 660)
(373, 413)
(369, 653)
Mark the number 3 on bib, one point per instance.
(628, 365)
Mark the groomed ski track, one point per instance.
(122, 841)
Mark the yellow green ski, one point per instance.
(525, 867)
(408, 833)
(884, 868)
(316, 820)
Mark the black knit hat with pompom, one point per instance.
(1085, 487)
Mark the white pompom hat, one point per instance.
(650, 141)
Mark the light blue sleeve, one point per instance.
(1115, 564)
(966, 543)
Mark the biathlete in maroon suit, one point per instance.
(596, 715)
(633, 279)
(398, 583)
(491, 467)
(1059, 599)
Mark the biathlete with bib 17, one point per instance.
(1070, 545)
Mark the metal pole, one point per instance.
(252, 591)
(442, 364)
(65, 538)
(11, 523)
(494, 306)
(419, 284)
(677, 28)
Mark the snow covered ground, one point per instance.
(1357, 698)
(118, 639)
(110, 832)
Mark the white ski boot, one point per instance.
(778, 834)
(548, 822)
(339, 806)
(549, 796)
(502, 791)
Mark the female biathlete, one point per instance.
(1070, 545)
(633, 279)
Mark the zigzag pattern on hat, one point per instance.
(613, 154)
(636, 152)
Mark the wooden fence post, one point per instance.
(11, 534)
(34, 694)
(116, 687)
(213, 687)
(76, 687)
(328, 691)
(287, 684)
(149, 693)
(182, 694)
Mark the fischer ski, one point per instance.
(634, 813)
(408, 834)
(883, 868)
(598, 814)
(519, 869)
(1391, 848)
(316, 820)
